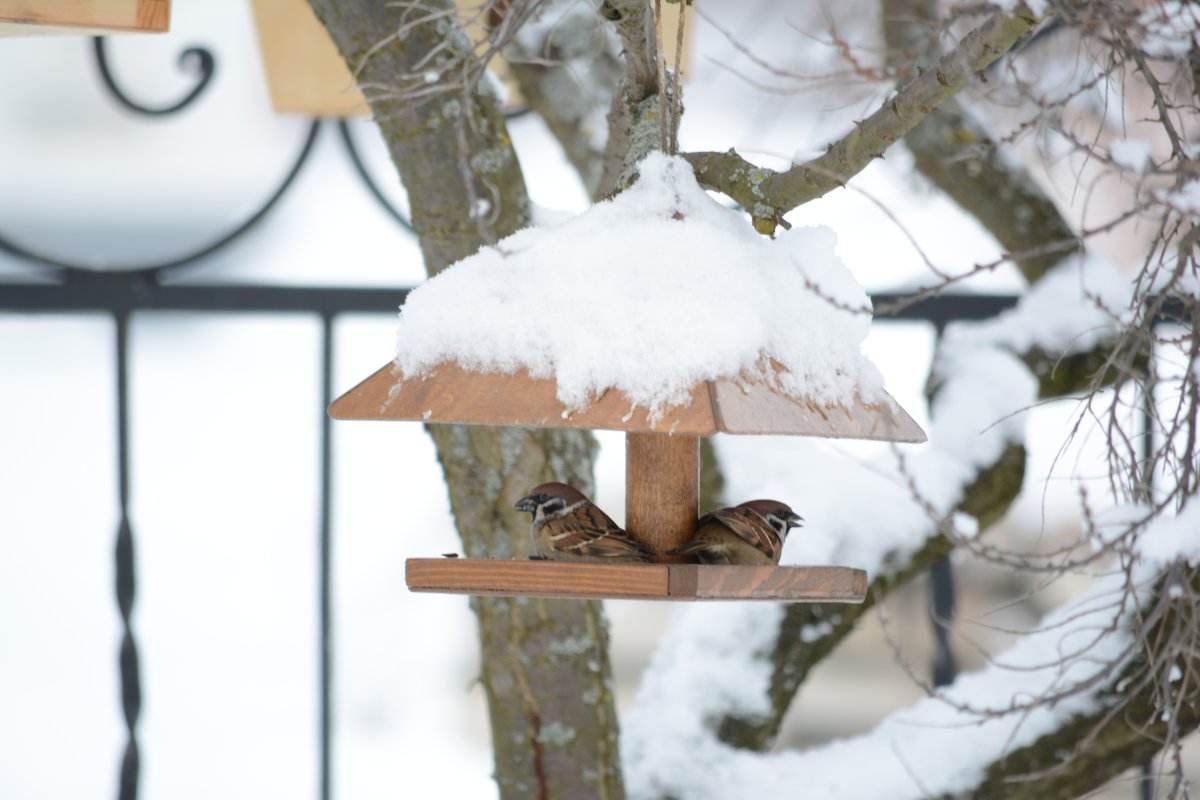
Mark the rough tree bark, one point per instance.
(545, 666)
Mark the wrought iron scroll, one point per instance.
(368, 181)
(74, 271)
(195, 59)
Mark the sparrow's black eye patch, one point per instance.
(556, 504)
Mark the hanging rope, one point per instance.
(670, 104)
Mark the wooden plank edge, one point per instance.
(505, 577)
(589, 581)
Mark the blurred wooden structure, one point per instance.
(83, 17)
(305, 72)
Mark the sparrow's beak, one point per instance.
(526, 504)
(795, 521)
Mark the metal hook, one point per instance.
(194, 59)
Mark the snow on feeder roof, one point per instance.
(657, 311)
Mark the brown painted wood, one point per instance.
(450, 393)
(83, 17)
(754, 408)
(153, 15)
(535, 578)
(832, 584)
(635, 581)
(662, 494)
(305, 72)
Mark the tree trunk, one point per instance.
(545, 664)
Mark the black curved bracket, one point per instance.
(372, 186)
(81, 273)
(195, 59)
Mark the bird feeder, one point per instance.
(662, 444)
(84, 17)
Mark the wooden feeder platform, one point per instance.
(661, 478)
(485, 576)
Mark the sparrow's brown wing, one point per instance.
(588, 531)
(751, 528)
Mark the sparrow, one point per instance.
(568, 527)
(751, 533)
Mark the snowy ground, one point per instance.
(225, 412)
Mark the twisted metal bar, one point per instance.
(131, 687)
(75, 272)
(195, 59)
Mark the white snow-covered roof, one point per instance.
(650, 293)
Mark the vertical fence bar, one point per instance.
(941, 599)
(131, 690)
(1146, 782)
(941, 614)
(325, 555)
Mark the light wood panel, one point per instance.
(83, 17)
(305, 72)
(662, 490)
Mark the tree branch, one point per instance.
(768, 195)
(1127, 726)
(545, 666)
(956, 154)
(796, 653)
(634, 120)
(569, 74)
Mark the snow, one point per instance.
(977, 411)
(1185, 199)
(1132, 154)
(1171, 538)
(940, 745)
(1169, 28)
(649, 293)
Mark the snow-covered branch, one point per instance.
(768, 195)
(975, 466)
(567, 64)
(941, 746)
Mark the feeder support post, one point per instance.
(662, 490)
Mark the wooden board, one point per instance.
(662, 491)
(450, 393)
(480, 576)
(305, 72)
(83, 17)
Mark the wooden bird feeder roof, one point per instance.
(451, 394)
